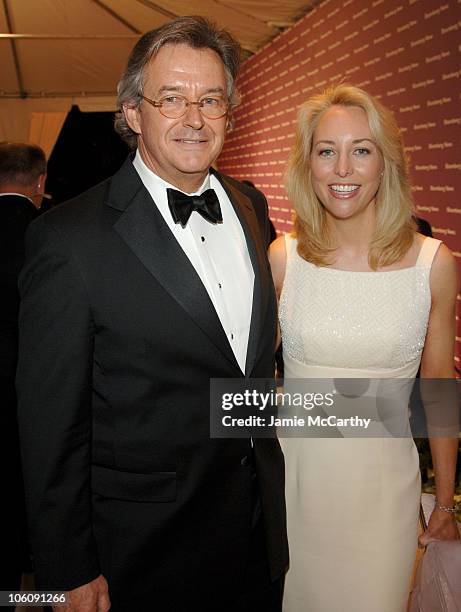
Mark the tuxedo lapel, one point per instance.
(144, 230)
(247, 217)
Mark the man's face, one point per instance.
(182, 150)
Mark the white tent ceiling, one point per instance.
(56, 53)
(69, 48)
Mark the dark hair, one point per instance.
(21, 163)
(197, 32)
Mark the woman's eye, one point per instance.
(362, 151)
(326, 152)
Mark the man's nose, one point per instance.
(193, 117)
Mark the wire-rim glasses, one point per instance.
(174, 107)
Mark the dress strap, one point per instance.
(427, 253)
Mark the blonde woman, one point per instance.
(362, 295)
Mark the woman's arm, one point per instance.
(277, 258)
(438, 363)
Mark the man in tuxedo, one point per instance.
(135, 295)
(22, 180)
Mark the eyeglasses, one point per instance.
(174, 107)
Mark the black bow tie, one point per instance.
(182, 206)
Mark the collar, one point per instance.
(19, 195)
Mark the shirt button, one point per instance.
(219, 285)
(232, 336)
(202, 238)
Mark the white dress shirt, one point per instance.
(218, 253)
(13, 193)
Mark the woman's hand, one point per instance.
(442, 526)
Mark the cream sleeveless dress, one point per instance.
(352, 504)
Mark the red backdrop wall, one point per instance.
(405, 52)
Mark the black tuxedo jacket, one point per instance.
(118, 341)
(16, 212)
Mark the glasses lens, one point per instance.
(213, 108)
(173, 106)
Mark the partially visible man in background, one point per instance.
(22, 183)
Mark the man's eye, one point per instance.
(171, 100)
(210, 101)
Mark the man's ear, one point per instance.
(41, 182)
(132, 117)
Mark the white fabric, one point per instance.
(16, 115)
(12, 193)
(83, 45)
(221, 260)
(45, 128)
(352, 504)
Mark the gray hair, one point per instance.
(21, 163)
(197, 32)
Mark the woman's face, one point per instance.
(346, 163)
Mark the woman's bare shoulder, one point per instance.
(278, 258)
(444, 273)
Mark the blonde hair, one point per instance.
(394, 232)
